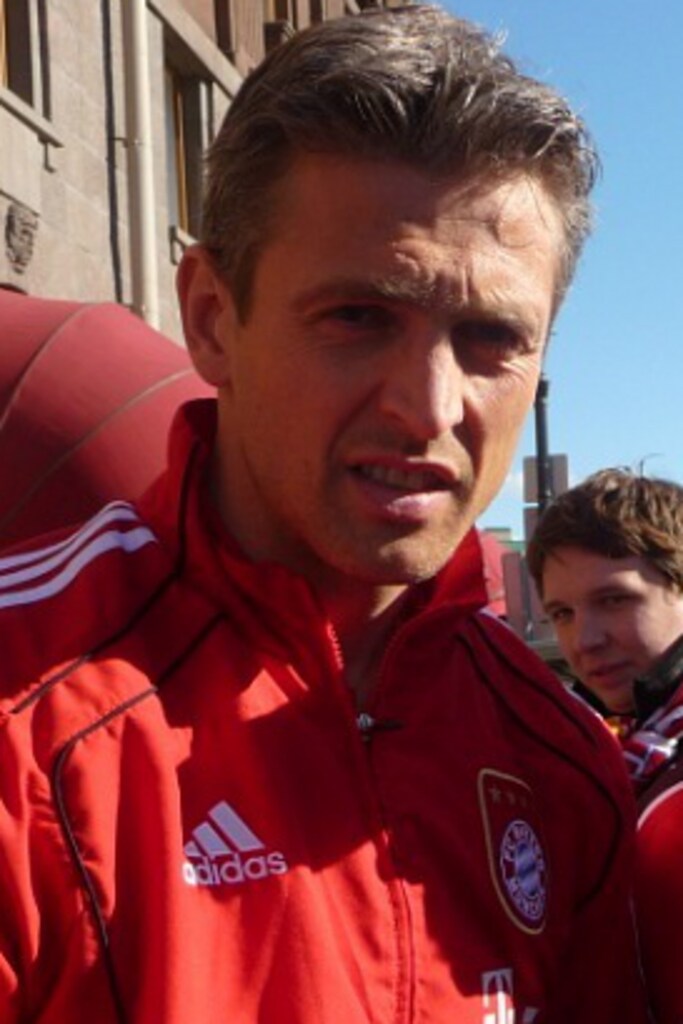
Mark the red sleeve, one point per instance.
(659, 901)
(602, 977)
(8, 992)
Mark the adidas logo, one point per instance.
(224, 851)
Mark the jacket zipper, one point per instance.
(364, 726)
(368, 725)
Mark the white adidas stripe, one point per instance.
(114, 512)
(130, 541)
(57, 554)
(229, 826)
(210, 841)
(232, 826)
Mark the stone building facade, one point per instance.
(105, 109)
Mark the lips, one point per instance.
(412, 480)
(602, 672)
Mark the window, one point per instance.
(176, 157)
(280, 22)
(22, 39)
(188, 132)
(239, 31)
(4, 74)
(280, 10)
(190, 94)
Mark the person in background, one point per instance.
(607, 558)
(261, 757)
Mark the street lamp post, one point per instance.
(543, 474)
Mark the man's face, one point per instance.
(373, 398)
(614, 617)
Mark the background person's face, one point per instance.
(391, 353)
(613, 617)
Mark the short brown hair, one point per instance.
(617, 513)
(412, 84)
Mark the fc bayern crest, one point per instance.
(517, 860)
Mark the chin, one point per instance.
(399, 569)
(625, 707)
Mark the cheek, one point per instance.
(563, 635)
(655, 630)
(293, 430)
(639, 635)
(494, 427)
(673, 612)
(504, 402)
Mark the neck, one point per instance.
(364, 623)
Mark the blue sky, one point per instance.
(616, 358)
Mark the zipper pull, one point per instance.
(368, 726)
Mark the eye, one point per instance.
(615, 600)
(560, 616)
(494, 336)
(361, 316)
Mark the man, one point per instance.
(263, 760)
(607, 558)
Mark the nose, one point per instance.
(424, 389)
(589, 634)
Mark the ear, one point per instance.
(208, 314)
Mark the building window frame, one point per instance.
(281, 11)
(24, 70)
(189, 121)
(23, 63)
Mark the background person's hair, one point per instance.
(412, 84)
(616, 513)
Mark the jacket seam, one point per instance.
(539, 689)
(577, 766)
(85, 878)
(56, 776)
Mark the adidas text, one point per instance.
(233, 869)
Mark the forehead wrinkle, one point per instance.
(453, 295)
(442, 285)
(425, 289)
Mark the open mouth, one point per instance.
(414, 481)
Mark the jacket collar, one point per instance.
(657, 687)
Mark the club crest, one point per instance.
(514, 844)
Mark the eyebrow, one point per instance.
(422, 294)
(603, 591)
(388, 288)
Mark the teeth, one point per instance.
(401, 479)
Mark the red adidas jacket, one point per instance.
(659, 898)
(195, 828)
(653, 751)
